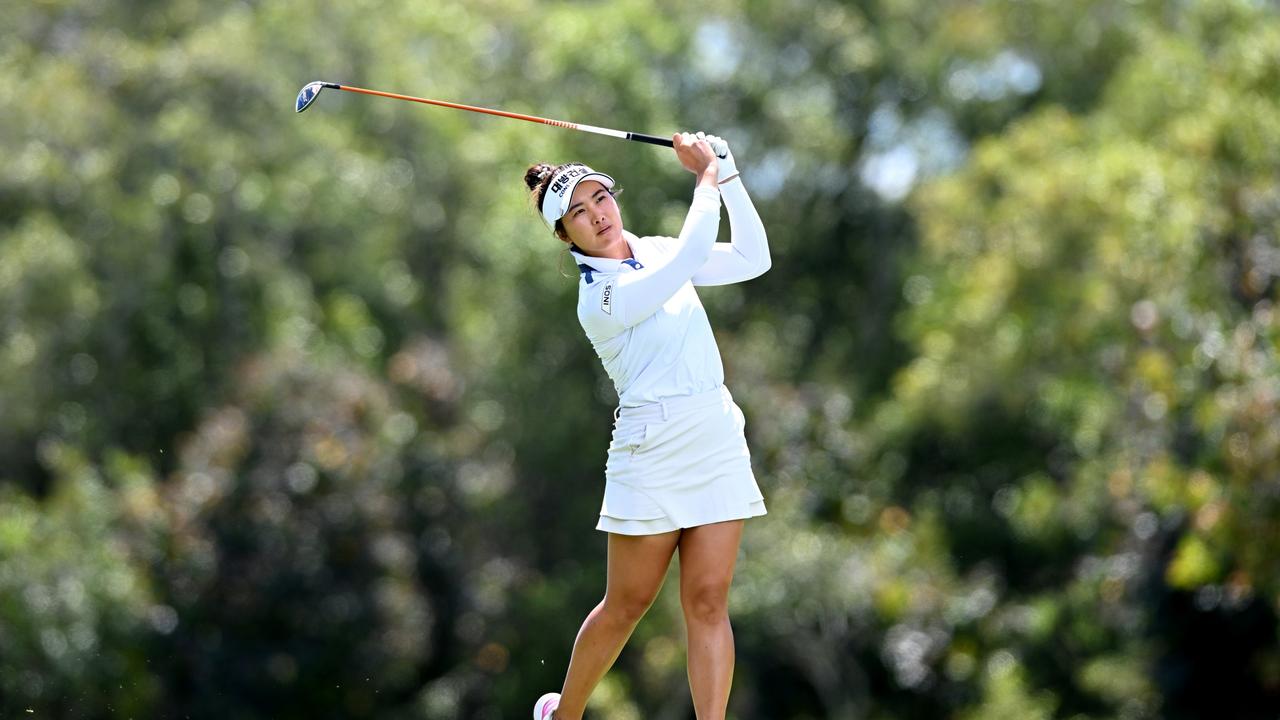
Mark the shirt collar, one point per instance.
(607, 266)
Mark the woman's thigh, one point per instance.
(637, 566)
(708, 554)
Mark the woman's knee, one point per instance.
(705, 601)
(628, 606)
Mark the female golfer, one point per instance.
(678, 474)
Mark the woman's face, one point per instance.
(593, 221)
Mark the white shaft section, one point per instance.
(601, 131)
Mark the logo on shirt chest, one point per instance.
(606, 299)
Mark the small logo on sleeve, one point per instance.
(606, 299)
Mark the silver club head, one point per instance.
(310, 92)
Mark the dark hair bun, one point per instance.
(537, 174)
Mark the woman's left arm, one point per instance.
(746, 255)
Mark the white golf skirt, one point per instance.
(678, 463)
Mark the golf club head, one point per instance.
(310, 92)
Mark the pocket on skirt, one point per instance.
(627, 439)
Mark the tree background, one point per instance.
(286, 400)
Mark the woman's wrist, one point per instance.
(708, 177)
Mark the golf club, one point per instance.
(311, 91)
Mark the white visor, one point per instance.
(560, 189)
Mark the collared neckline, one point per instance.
(589, 264)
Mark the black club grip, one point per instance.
(651, 139)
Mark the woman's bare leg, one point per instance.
(637, 567)
(707, 556)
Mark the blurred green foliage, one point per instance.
(298, 421)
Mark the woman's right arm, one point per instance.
(639, 294)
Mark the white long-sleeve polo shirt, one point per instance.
(643, 316)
